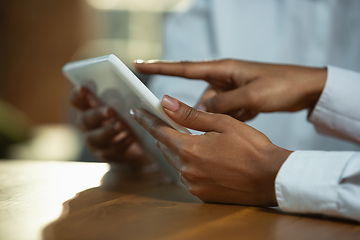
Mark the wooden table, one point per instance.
(63, 200)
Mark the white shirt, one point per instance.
(321, 182)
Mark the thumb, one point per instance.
(208, 93)
(191, 118)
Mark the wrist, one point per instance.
(279, 156)
(315, 87)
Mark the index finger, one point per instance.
(206, 70)
(159, 129)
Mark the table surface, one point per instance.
(71, 200)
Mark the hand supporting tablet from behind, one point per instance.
(106, 134)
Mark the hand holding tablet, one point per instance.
(116, 86)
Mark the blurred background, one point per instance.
(38, 37)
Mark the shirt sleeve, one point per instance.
(327, 183)
(319, 182)
(337, 112)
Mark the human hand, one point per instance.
(244, 89)
(106, 134)
(230, 163)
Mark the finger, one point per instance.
(191, 118)
(234, 100)
(82, 98)
(208, 93)
(103, 136)
(94, 117)
(78, 98)
(159, 129)
(248, 115)
(171, 156)
(184, 181)
(243, 114)
(238, 114)
(175, 161)
(207, 70)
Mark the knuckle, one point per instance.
(189, 174)
(139, 116)
(190, 115)
(151, 125)
(185, 173)
(154, 127)
(230, 63)
(183, 151)
(189, 152)
(225, 120)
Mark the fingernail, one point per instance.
(170, 103)
(201, 107)
(132, 113)
(139, 61)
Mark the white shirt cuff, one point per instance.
(335, 113)
(308, 182)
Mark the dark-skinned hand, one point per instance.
(106, 134)
(231, 163)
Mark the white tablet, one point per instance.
(116, 86)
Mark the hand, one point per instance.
(106, 134)
(230, 163)
(244, 89)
